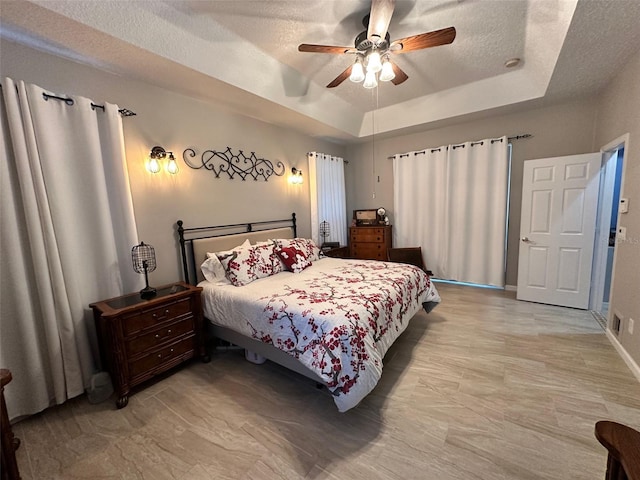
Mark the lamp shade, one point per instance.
(373, 62)
(357, 72)
(144, 261)
(387, 74)
(370, 80)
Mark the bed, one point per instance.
(332, 320)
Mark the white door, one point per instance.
(557, 229)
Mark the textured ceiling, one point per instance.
(244, 55)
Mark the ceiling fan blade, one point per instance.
(341, 78)
(379, 18)
(424, 40)
(400, 75)
(306, 47)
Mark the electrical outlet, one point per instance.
(624, 205)
(630, 326)
(622, 233)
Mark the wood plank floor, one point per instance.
(484, 387)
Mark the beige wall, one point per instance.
(618, 114)
(177, 122)
(558, 130)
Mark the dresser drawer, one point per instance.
(156, 360)
(368, 231)
(373, 251)
(151, 317)
(166, 333)
(367, 237)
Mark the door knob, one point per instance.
(525, 239)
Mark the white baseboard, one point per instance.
(511, 288)
(633, 366)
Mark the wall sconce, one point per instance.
(153, 162)
(296, 176)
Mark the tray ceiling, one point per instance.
(244, 55)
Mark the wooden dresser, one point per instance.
(371, 242)
(142, 338)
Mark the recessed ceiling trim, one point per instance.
(506, 89)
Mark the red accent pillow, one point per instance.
(305, 245)
(294, 260)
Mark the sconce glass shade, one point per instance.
(357, 72)
(387, 74)
(370, 80)
(158, 153)
(172, 165)
(296, 176)
(153, 166)
(373, 62)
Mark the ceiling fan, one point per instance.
(374, 46)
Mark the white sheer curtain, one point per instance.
(452, 201)
(67, 231)
(328, 197)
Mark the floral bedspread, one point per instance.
(337, 317)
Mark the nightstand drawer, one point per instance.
(149, 318)
(159, 336)
(161, 357)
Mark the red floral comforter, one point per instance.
(337, 317)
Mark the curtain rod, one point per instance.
(125, 112)
(509, 139)
(345, 161)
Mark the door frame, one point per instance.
(599, 268)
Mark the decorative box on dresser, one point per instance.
(370, 242)
(142, 338)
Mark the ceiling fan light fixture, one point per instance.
(357, 72)
(387, 74)
(370, 80)
(373, 62)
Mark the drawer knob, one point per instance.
(171, 350)
(159, 355)
(166, 311)
(157, 335)
(168, 331)
(154, 315)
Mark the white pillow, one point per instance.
(213, 270)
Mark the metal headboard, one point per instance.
(186, 236)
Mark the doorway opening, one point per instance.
(606, 228)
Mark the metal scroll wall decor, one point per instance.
(234, 164)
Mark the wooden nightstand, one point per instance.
(337, 252)
(142, 338)
(10, 443)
